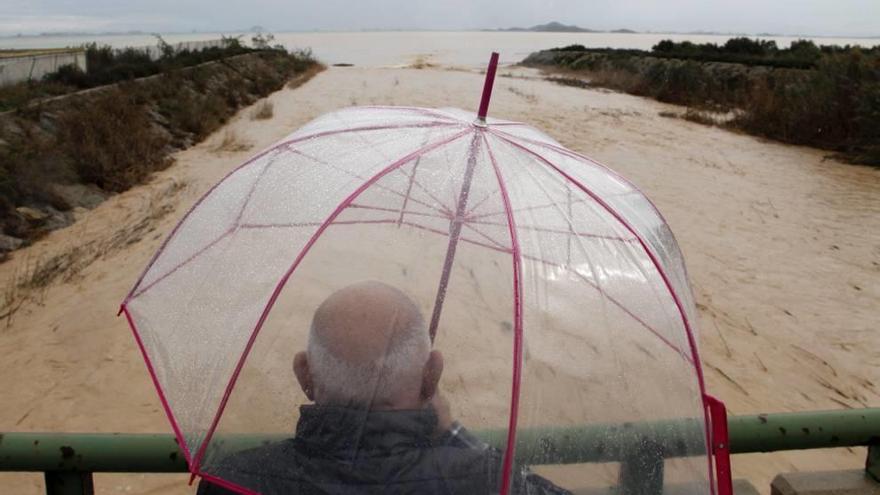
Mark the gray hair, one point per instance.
(375, 381)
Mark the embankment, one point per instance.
(832, 103)
(71, 152)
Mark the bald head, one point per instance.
(359, 323)
(368, 346)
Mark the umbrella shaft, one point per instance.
(454, 233)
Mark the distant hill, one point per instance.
(552, 27)
(626, 31)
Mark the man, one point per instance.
(378, 425)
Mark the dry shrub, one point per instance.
(29, 162)
(264, 111)
(111, 140)
(699, 117)
(615, 79)
(32, 277)
(302, 77)
(190, 113)
(231, 142)
(116, 136)
(568, 81)
(529, 97)
(830, 99)
(421, 62)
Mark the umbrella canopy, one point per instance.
(552, 285)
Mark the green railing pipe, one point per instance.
(95, 452)
(804, 430)
(159, 453)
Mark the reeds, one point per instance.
(829, 100)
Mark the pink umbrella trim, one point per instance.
(496, 246)
(251, 160)
(348, 200)
(177, 432)
(687, 326)
(517, 329)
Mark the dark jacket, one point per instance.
(351, 451)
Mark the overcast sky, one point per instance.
(817, 17)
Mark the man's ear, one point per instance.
(303, 374)
(431, 374)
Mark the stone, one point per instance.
(32, 214)
(740, 487)
(57, 219)
(9, 243)
(85, 195)
(744, 487)
(844, 482)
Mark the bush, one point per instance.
(107, 65)
(834, 104)
(116, 136)
(264, 111)
(111, 141)
(835, 107)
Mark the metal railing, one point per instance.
(69, 459)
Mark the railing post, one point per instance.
(641, 471)
(872, 465)
(68, 483)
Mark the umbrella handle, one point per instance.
(487, 88)
(720, 444)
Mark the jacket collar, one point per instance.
(343, 431)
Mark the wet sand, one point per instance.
(782, 245)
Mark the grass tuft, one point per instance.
(264, 111)
(231, 142)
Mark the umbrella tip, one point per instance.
(487, 88)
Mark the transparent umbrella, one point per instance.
(553, 287)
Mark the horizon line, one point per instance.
(133, 32)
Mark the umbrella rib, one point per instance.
(624, 224)
(455, 226)
(570, 225)
(398, 210)
(480, 203)
(601, 166)
(557, 231)
(518, 210)
(485, 236)
(442, 207)
(253, 188)
(414, 182)
(257, 226)
(409, 187)
(159, 390)
(613, 301)
(360, 177)
(281, 283)
(695, 353)
(494, 247)
(183, 263)
(250, 161)
(462, 238)
(516, 379)
(590, 162)
(691, 338)
(508, 124)
(425, 111)
(596, 285)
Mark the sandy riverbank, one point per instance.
(782, 247)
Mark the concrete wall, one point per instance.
(34, 67)
(17, 69)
